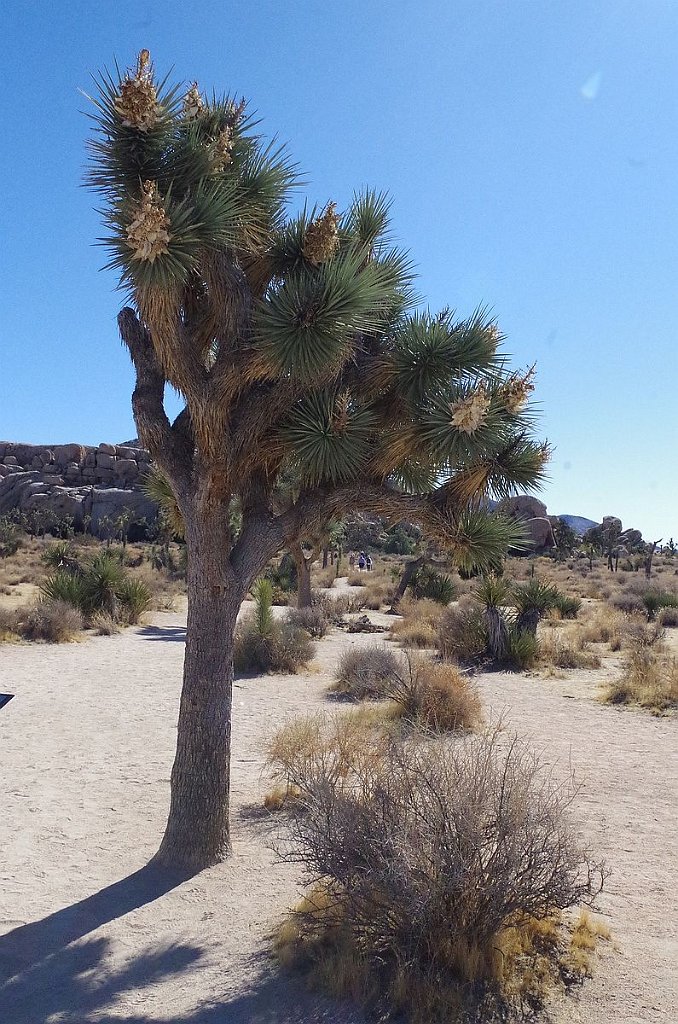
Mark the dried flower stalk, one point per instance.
(137, 104)
(470, 413)
(148, 234)
(321, 240)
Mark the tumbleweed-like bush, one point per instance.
(438, 875)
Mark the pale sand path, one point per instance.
(86, 748)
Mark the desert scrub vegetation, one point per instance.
(53, 621)
(649, 679)
(425, 696)
(315, 620)
(99, 585)
(266, 644)
(566, 652)
(367, 673)
(440, 877)
(428, 583)
(434, 697)
(418, 622)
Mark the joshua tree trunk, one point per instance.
(303, 563)
(197, 832)
(408, 572)
(497, 632)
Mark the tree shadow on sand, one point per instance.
(46, 968)
(51, 969)
(163, 633)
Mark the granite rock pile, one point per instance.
(92, 485)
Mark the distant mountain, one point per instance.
(579, 524)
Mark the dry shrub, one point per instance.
(585, 933)
(668, 618)
(282, 648)
(8, 625)
(438, 876)
(606, 626)
(314, 620)
(357, 579)
(378, 594)
(418, 623)
(337, 604)
(462, 633)
(104, 624)
(649, 679)
(560, 652)
(628, 602)
(56, 622)
(368, 673)
(436, 697)
(338, 742)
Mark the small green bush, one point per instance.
(522, 649)
(654, 600)
(10, 537)
(135, 599)
(283, 648)
(67, 587)
(437, 586)
(58, 554)
(569, 607)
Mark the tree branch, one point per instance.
(155, 431)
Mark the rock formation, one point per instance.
(532, 514)
(91, 485)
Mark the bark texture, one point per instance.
(197, 832)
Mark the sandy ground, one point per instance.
(88, 935)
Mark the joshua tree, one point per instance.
(290, 341)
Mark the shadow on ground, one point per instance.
(163, 633)
(55, 969)
(46, 968)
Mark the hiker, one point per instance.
(361, 562)
(368, 563)
(351, 560)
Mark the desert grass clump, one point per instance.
(568, 607)
(649, 679)
(561, 652)
(100, 586)
(55, 622)
(8, 625)
(439, 874)
(522, 648)
(461, 633)
(264, 644)
(338, 741)
(314, 620)
(367, 673)
(435, 697)
(668, 618)
(418, 622)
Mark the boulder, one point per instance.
(65, 453)
(106, 449)
(105, 460)
(522, 506)
(126, 467)
(123, 452)
(631, 538)
(540, 533)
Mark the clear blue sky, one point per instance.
(531, 148)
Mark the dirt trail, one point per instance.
(86, 747)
